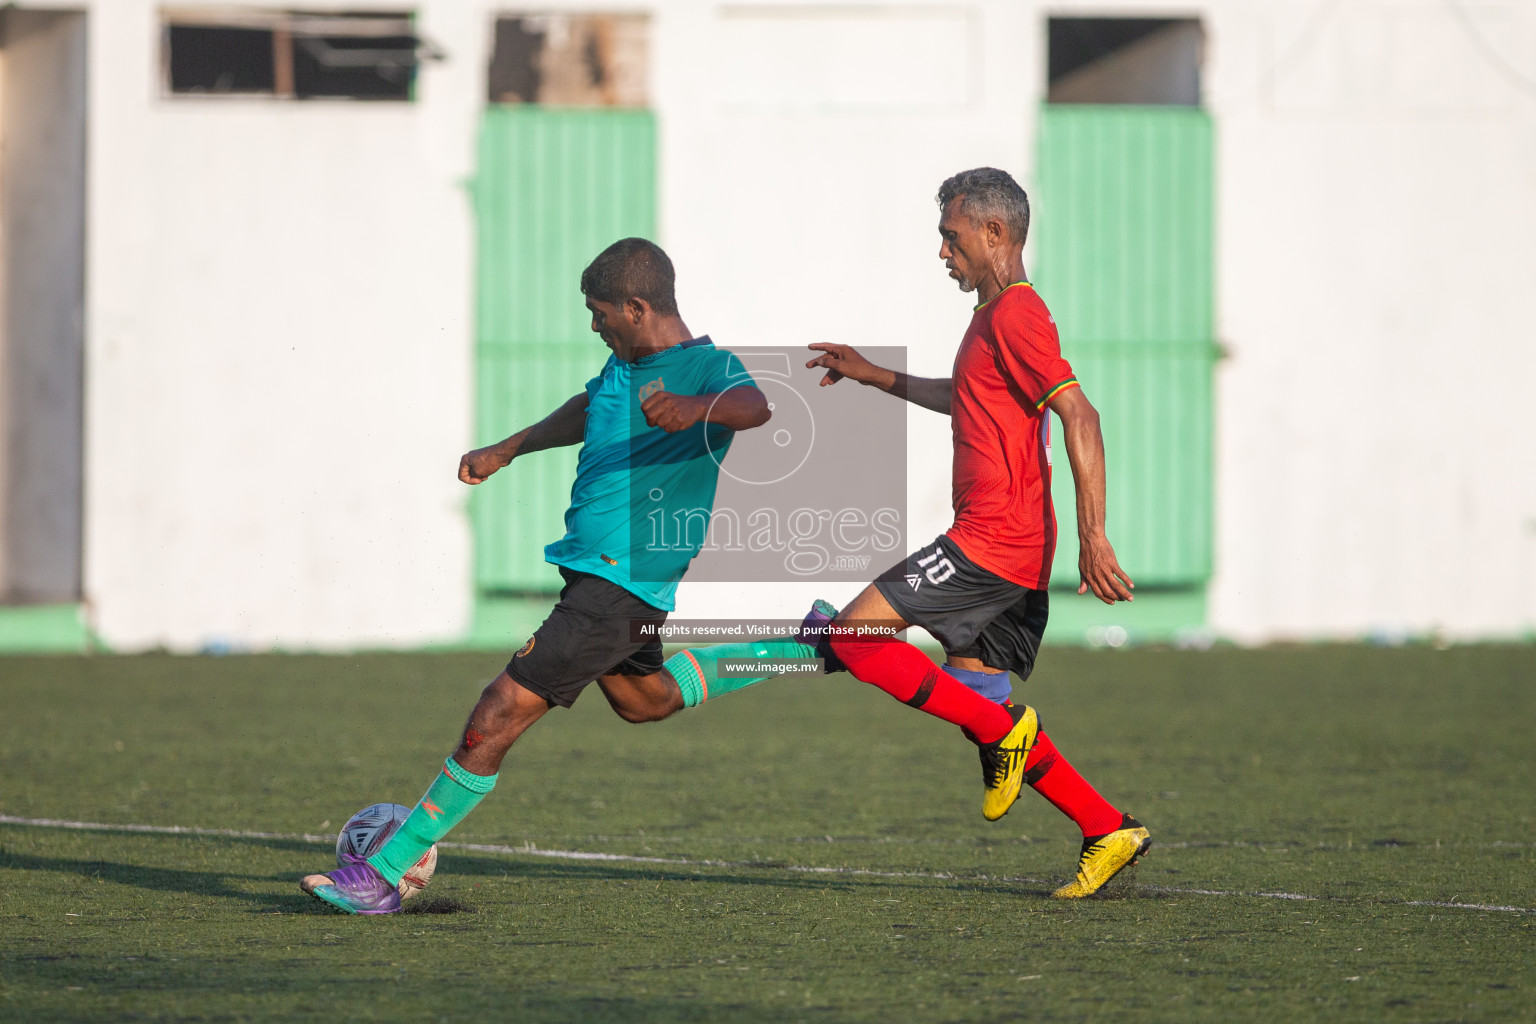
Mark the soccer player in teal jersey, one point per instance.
(653, 427)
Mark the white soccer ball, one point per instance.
(367, 830)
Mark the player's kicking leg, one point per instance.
(505, 710)
(587, 636)
(590, 626)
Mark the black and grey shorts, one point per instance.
(971, 611)
(587, 635)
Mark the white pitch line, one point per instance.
(159, 830)
(529, 850)
(1467, 906)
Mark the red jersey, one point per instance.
(1008, 369)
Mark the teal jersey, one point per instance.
(642, 499)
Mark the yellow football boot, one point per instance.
(1002, 763)
(1104, 857)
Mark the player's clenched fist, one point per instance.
(475, 466)
(673, 412)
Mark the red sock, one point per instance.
(907, 674)
(1056, 780)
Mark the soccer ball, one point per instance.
(367, 830)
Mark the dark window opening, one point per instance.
(382, 67)
(293, 54)
(1154, 61)
(515, 76)
(207, 59)
(572, 60)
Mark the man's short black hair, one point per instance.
(632, 268)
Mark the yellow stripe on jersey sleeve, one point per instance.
(1070, 382)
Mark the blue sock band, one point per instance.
(995, 686)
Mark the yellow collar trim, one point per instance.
(1016, 284)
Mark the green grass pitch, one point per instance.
(1326, 820)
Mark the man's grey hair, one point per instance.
(987, 193)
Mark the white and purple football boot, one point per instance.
(354, 889)
(814, 633)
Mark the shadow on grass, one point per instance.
(768, 876)
(203, 883)
(772, 874)
(430, 904)
(265, 842)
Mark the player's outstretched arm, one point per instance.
(844, 361)
(561, 428)
(1096, 563)
(739, 408)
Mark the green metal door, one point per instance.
(1125, 263)
(555, 187)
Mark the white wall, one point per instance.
(1376, 464)
(280, 311)
(280, 304)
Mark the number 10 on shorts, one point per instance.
(936, 566)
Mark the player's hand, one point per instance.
(479, 464)
(844, 361)
(673, 412)
(1100, 572)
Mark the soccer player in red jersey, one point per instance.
(980, 588)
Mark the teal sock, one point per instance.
(698, 671)
(450, 798)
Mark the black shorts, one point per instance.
(972, 611)
(587, 635)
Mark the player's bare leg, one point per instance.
(505, 710)
(648, 698)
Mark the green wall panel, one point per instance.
(1124, 200)
(1154, 400)
(45, 629)
(1124, 221)
(554, 188)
